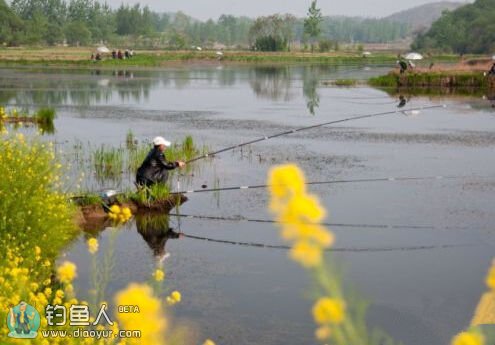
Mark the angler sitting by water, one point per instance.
(155, 168)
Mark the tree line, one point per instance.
(468, 29)
(84, 22)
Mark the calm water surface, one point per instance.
(423, 283)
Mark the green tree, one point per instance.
(77, 33)
(10, 25)
(312, 24)
(468, 29)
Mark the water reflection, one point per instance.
(310, 82)
(271, 82)
(56, 87)
(155, 230)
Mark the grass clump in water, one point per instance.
(108, 162)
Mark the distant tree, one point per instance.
(10, 25)
(77, 33)
(272, 33)
(312, 23)
(468, 29)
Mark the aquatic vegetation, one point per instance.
(345, 82)
(44, 118)
(108, 162)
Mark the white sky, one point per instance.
(204, 9)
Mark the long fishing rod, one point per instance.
(337, 249)
(382, 179)
(296, 130)
(333, 225)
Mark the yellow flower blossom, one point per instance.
(209, 342)
(92, 245)
(468, 338)
(159, 275)
(306, 253)
(323, 333)
(37, 250)
(286, 180)
(490, 278)
(329, 311)
(67, 272)
(174, 298)
(150, 320)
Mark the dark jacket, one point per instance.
(154, 168)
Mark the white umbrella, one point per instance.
(219, 53)
(367, 53)
(199, 48)
(414, 56)
(103, 50)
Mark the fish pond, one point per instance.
(417, 250)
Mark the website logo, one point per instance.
(23, 321)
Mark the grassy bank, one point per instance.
(446, 79)
(150, 58)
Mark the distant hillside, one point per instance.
(421, 17)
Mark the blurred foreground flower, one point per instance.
(468, 338)
(119, 214)
(150, 319)
(67, 272)
(92, 245)
(174, 298)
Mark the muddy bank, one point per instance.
(95, 216)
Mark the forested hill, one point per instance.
(468, 29)
(421, 17)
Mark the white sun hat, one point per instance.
(161, 141)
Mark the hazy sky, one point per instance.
(204, 9)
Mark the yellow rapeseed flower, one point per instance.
(159, 275)
(209, 342)
(490, 278)
(176, 296)
(92, 245)
(150, 321)
(329, 311)
(323, 333)
(67, 272)
(306, 253)
(468, 338)
(285, 181)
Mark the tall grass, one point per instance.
(108, 162)
(45, 118)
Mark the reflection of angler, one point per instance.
(156, 234)
(402, 102)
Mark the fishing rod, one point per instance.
(296, 130)
(337, 249)
(333, 225)
(382, 179)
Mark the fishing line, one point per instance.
(382, 179)
(333, 225)
(337, 249)
(296, 130)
